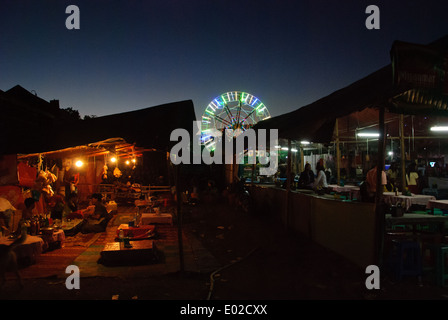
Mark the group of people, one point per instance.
(95, 220)
(390, 179)
(413, 180)
(308, 180)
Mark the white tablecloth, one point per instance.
(351, 189)
(419, 199)
(441, 204)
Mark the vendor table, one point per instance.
(72, 227)
(27, 252)
(141, 232)
(440, 204)
(352, 190)
(143, 251)
(150, 218)
(144, 205)
(419, 199)
(436, 223)
(56, 239)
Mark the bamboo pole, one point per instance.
(288, 184)
(302, 159)
(379, 209)
(338, 153)
(403, 160)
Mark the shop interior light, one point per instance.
(368, 134)
(113, 159)
(79, 163)
(286, 149)
(128, 162)
(439, 128)
(134, 160)
(305, 142)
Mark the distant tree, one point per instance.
(71, 113)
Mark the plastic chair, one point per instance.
(406, 258)
(441, 272)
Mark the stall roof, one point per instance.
(315, 122)
(145, 128)
(115, 146)
(30, 124)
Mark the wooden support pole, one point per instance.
(288, 184)
(338, 153)
(379, 208)
(403, 156)
(302, 159)
(179, 219)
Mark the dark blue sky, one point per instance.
(133, 54)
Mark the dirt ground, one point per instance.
(260, 261)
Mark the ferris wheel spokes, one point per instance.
(234, 110)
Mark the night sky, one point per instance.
(130, 54)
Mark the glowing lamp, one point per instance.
(113, 159)
(79, 163)
(369, 134)
(439, 128)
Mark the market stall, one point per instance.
(358, 123)
(121, 157)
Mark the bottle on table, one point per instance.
(121, 238)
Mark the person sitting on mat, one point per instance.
(97, 222)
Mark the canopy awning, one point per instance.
(315, 122)
(114, 146)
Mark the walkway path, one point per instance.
(196, 257)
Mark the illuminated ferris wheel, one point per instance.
(234, 110)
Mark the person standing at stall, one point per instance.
(371, 179)
(320, 184)
(412, 178)
(393, 176)
(306, 179)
